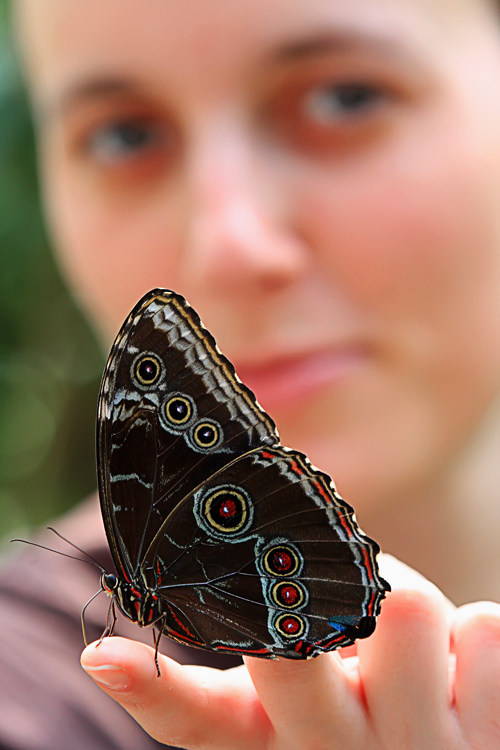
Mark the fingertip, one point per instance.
(117, 664)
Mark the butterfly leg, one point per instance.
(110, 621)
(157, 634)
(114, 616)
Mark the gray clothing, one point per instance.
(47, 702)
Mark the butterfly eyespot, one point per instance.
(282, 560)
(290, 627)
(147, 370)
(227, 510)
(206, 435)
(178, 410)
(176, 413)
(288, 594)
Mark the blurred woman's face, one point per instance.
(320, 179)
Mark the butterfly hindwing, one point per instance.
(267, 557)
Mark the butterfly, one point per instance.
(222, 538)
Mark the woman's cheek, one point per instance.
(109, 255)
(418, 250)
(404, 230)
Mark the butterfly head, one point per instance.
(109, 583)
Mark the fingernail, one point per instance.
(114, 678)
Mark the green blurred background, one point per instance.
(50, 364)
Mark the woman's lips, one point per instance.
(286, 380)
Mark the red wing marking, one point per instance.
(322, 492)
(369, 570)
(296, 468)
(265, 454)
(158, 574)
(346, 526)
(330, 642)
(181, 624)
(368, 564)
(124, 572)
(371, 604)
(244, 650)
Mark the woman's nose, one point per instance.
(239, 238)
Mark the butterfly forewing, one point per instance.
(241, 543)
(171, 412)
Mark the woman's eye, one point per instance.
(122, 141)
(331, 117)
(329, 104)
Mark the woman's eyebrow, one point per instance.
(340, 41)
(87, 89)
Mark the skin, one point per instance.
(321, 181)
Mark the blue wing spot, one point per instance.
(342, 622)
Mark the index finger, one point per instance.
(187, 706)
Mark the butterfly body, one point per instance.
(135, 599)
(222, 538)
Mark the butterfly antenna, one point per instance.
(75, 546)
(63, 554)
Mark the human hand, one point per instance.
(429, 677)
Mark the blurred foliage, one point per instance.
(49, 362)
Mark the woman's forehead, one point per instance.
(55, 33)
(174, 42)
